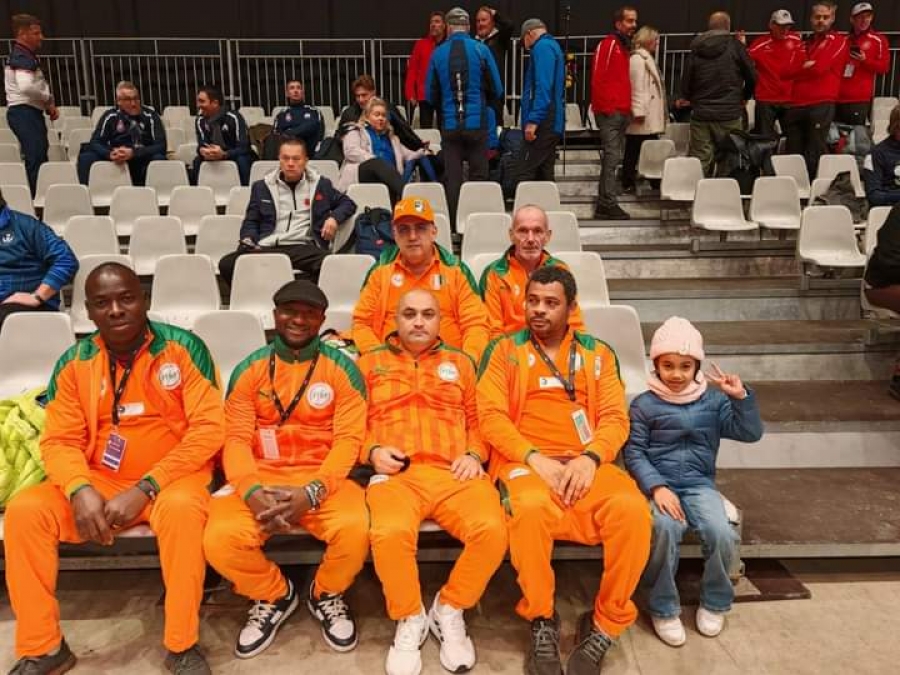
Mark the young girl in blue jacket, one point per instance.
(671, 453)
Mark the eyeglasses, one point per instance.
(418, 228)
(127, 99)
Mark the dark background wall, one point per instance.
(380, 18)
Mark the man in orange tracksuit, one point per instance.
(417, 262)
(424, 444)
(552, 407)
(296, 417)
(133, 420)
(503, 281)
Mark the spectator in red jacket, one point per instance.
(816, 87)
(777, 56)
(869, 56)
(418, 68)
(611, 102)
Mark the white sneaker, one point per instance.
(403, 657)
(710, 623)
(448, 625)
(669, 629)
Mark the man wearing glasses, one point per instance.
(130, 133)
(417, 262)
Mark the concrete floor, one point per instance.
(113, 622)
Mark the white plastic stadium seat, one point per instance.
(340, 279)
(566, 236)
(590, 276)
(70, 124)
(718, 206)
(129, 203)
(9, 152)
(831, 165)
(328, 119)
(164, 176)
(92, 235)
(444, 235)
(96, 114)
(775, 203)
(256, 278)
(679, 178)
(184, 287)
(478, 262)
(68, 111)
(486, 233)
(827, 238)
(56, 152)
(13, 173)
(539, 193)
(433, 192)
(680, 134)
(221, 177)
(653, 155)
(74, 141)
(218, 236)
(882, 106)
(750, 107)
(30, 345)
(430, 136)
(104, 178)
(18, 197)
(238, 199)
(64, 201)
(53, 173)
(252, 114)
(7, 137)
(175, 137)
(795, 167)
(191, 203)
(478, 197)
(260, 168)
(78, 312)
(176, 112)
(231, 336)
(326, 167)
(152, 238)
(186, 153)
(369, 194)
(620, 327)
(573, 118)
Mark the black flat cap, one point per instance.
(301, 290)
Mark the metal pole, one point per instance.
(87, 94)
(230, 96)
(567, 18)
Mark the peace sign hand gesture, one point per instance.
(730, 384)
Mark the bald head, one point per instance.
(719, 21)
(529, 235)
(117, 304)
(109, 270)
(418, 320)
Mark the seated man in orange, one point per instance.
(417, 262)
(424, 444)
(296, 418)
(133, 421)
(503, 281)
(552, 407)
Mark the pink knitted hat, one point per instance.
(677, 336)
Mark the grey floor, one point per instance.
(113, 622)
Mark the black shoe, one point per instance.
(338, 625)
(544, 657)
(894, 388)
(49, 664)
(591, 646)
(614, 212)
(263, 623)
(189, 662)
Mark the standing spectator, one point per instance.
(34, 264)
(130, 133)
(869, 56)
(28, 94)
(299, 120)
(495, 32)
(543, 102)
(221, 134)
(718, 79)
(816, 88)
(611, 102)
(417, 69)
(881, 169)
(648, 102)
(776, 57)
(462, 84)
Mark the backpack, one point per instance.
(373, 231)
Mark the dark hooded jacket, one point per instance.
(718, 77)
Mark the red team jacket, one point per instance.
(822, 82)
(777, 62)
(858, 80)
(611, 78)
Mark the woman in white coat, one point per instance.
(648, 102)
(374, 154)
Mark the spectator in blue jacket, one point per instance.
(462, 84)
(221, 134)
(293, 210)
(34, 264)
(543, 102)
(671, 453)
(881, 169)
(130, 133)
(300, 120)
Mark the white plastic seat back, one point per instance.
(73, 142)
(718, 206)
(590, 276)
(64, 201)
(539, 193)
(18, 197)
(152, 238)
(369, 194)
(341, 279)
(130, 203)
(174, 113)
(680, 177)
(881, 108)
(433, 192)
(175, 136)
(653, 155)
(221, 177)
(573, 118)
(326, 167)
(795, 167)
(9, 152)
(13, 173)
(444, 235)
(231, 336)
(30, 345)
(218, 236)
(56, 152)
(103, 180)
(53, 173)
(566, 236)
(828, 238)
(620, 327)
(877, 216)
(750, 107)
(184, 287)
(252, 114)
(478, 197)
(8, 137)
(261, 168)
(164, 176)
(680, 134)
(328, 119)
(831, 165)
(191, 203)
(186, 152)
(96, 114)
(775, 203)
(431, 136)
(256, 278)
(86, 264)
(479, 262)
(486, 233)
(238, 200)
(92, 235)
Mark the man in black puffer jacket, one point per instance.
(718, 79)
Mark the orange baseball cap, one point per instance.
(413, 210)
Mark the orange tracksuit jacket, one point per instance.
(464, 321)
(512, 378)
(173, 422)
(320, 441)
(426, 407)
(502, 288)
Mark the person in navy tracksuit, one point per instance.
(221, 134)
(543, 102)
(300, 120)
(462, 84)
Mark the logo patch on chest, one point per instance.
(320, 395)
(169, 376)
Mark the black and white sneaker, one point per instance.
(263, 623)
(338, 625)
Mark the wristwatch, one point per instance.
(39, 299)
(147, 488)
(316, 493)
(593, 456)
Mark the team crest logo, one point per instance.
(288, 117)
(418, 206)
(169, 376)
(448, 372)
(320, 395)
(397, 279)
(307, 116)
(120, 126)
(224, 128)
(7, 238)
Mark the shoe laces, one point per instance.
(333, 607)
(409, 630)
(260, 613)
(546, 640)
(595, 646)
(453, 624)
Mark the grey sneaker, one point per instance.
(544, 657)
(188, 662)
(591, 646)
(49, 664)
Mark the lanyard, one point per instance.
(568, 384)
(286, 414)
(118, 389)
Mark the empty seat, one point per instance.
(18, 197)
(129, 203)
(827, 238)
(566, 235)
(238, 199)
(252, 114)
(86, 264)
(70, 124)
(164, 176)
(221, 177)
(184, 287)
(433, 192)
(186, 153)
(539, 193)
(103, 180)
(430, 136)
(444, 233)
(795, 167)
(30, 345)
(718, 206)
(261, 167)
(191, 203)
(882, 106)
(68, 111)
(775, 203)
(277, 110)
(13, 173)
(328, 119)
(590, 276)
(479, 262)
(680, 177)
(369, 194)
(174, 113)
(574, 120)
(340, 279)
(486, 233)
(680, 134)
(230, 336)
(74, 141)
(831, 165)
(653, 156)
(96, 114)
(56, 152)
(153, 237)
(326, 167)
(7, 137)
(92, 235)
(53, 173)
(9, 152)
(64, 201)
(620, 327)
(478, 197)
(174, 138)
(218, 236)
(256, 278)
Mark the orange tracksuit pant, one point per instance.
(613, 513)
(233, 540)
(470, 511)
(39, 518)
